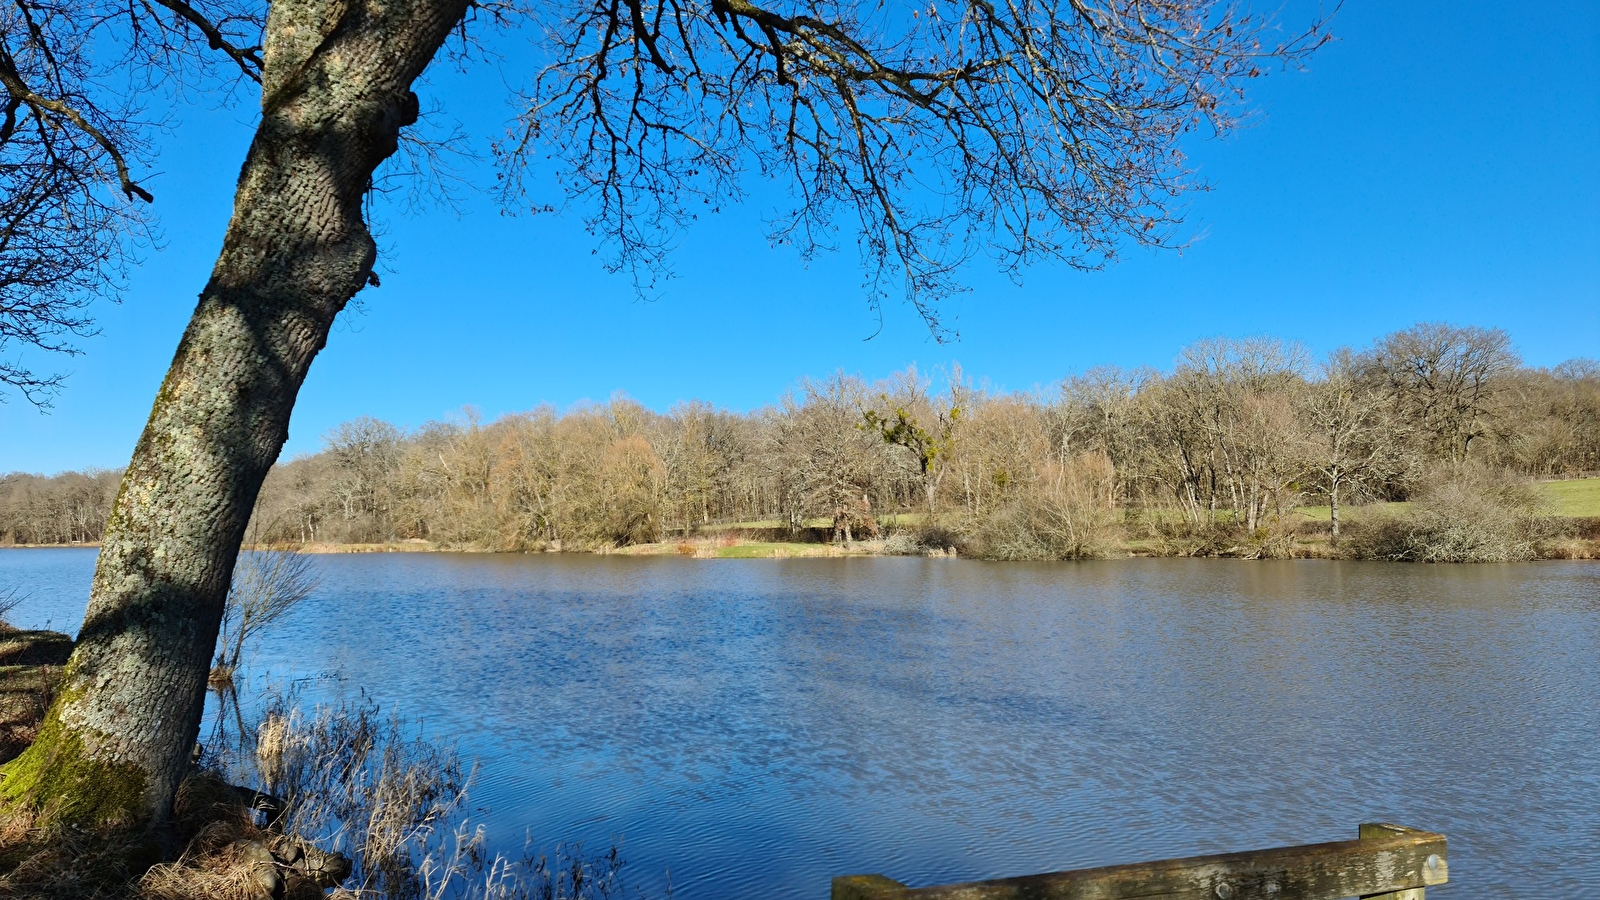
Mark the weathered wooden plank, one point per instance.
(1392, 859)
(1380, 830)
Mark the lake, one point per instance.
(754, 727)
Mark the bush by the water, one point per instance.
(1059, 509)
(1470, 517)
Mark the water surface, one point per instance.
(757, 726)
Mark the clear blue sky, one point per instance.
(1439, 161)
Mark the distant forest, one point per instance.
(1225, 450)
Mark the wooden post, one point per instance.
(1435, 869)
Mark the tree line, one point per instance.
(1234, 436)
(1228, 442)
(69, 508)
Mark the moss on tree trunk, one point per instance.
(63, 782)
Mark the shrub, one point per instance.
(353, 781)
(903, 543)
(342, 780)
(1184, 538)
(1064, 513)
(1471, 516)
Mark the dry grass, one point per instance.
(233, 872)
(350, 781)
(367, 786)
(48, 863)
(1567, 547)
(25, 695)
(225, 855)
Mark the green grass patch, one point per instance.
(1577, 497)
(1574, 497)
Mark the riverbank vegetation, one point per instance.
(282, 800)
(342, 802)
(280, 803)
(1434, 443)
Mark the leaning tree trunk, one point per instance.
(336, 90)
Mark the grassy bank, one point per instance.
(1577, 498)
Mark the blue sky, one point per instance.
(1440, 161)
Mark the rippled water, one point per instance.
(757, 726)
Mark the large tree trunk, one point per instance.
(336, 90)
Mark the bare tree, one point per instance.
(1444, 378)
(922, 424)
(335, 89)
(830, 461)
(69, 508)
(72, 208)
(1351, 438)
(1100, 410)
(1576, 407)
(525, 479)
(267, 585)
(1237, 393)
(698, 447)
(632, 481)
(1025, 497)
(365, 453)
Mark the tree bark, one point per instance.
(336, 90)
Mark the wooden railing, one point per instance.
(1387, 862)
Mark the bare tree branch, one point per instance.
(1028, 129)
(73, 137)
(247, 58)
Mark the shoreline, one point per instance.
(754, 548)
(727, 547)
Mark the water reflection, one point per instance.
(757, 726)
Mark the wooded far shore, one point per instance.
(1433, 444)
